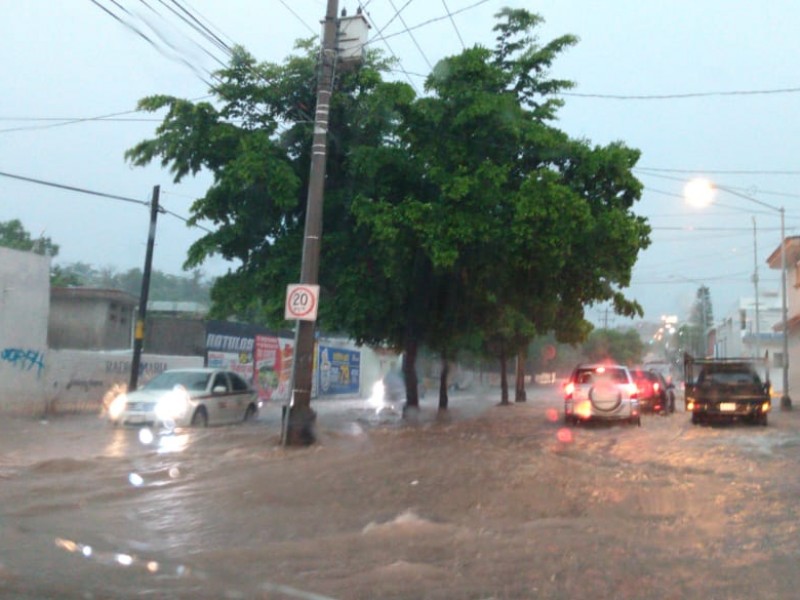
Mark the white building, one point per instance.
(740, 334)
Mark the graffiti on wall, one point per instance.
(24, 359)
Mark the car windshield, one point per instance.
(737, 376)
(191, 380)
(589, 376)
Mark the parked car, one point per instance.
(182, 397)
(601, 392)
(656, 395)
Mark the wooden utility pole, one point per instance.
(299, 418)
(138, 338)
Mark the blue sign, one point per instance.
(339, 371)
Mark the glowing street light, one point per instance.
(700, 193)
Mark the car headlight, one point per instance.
(117, 406)
(173, 405)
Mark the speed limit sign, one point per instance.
(301, 302)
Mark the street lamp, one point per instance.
(700, 192)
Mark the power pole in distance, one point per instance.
(138, 338)
(299, 419)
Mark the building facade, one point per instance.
(90, 319)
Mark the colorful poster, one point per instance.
(267, 365)
(238, 362)
(339, 371)
(285, 356)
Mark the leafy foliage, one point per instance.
(459, 216)
(163, 286)
(623, 347)
(14, 235)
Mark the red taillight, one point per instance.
(633, 391)
(569, 389)
(656, 387)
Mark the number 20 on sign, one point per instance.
(302, 300)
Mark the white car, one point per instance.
(601, 392)
(183, 397)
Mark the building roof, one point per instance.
(169, 306)
(792, 245)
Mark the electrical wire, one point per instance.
(73, 188)
(107, 117)
(411, 35)
(391, 51)
(80, 190)
(790, 90)
(208, 53)
(128, 25)
(719, 171)
(429, 21)
(298, 17)
(453, 21)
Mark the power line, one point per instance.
(453, 21)
(434, 20)
(411, 35)
(792, 90)
(391, 50)
(131, 27)
(80, 190)
(73, 188)
(720, 171)
(199, 27)
(107, 117)
(213, 56)
(298, 17)
(736, 189)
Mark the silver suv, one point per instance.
(601, 392)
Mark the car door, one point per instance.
(241, 396)
(218, 402)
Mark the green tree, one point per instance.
(623, 347)
(14, 235)
(447, 217)
(521, 226)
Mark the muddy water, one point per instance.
(491, 502)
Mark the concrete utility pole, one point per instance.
(299, 419)
(138, 338)
(755, 285)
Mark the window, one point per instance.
(237, 383)
(220, 381)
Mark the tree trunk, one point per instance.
(519, 389)
(443, 399)
(503, 376)
(410, 374)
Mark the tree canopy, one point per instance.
(14, 235)
(459, 215)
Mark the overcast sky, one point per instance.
(701, 87)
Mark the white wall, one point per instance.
(77, 380)
(24, 309)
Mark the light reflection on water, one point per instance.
(124, 443)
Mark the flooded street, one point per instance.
(489, 502)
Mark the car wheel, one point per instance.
(200, 417)
(763, 421)
(695, 419)
(250, 413)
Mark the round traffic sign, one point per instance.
(301, 302)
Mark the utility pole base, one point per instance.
(298, 426)
(786, 403)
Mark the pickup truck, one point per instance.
(726, 389)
